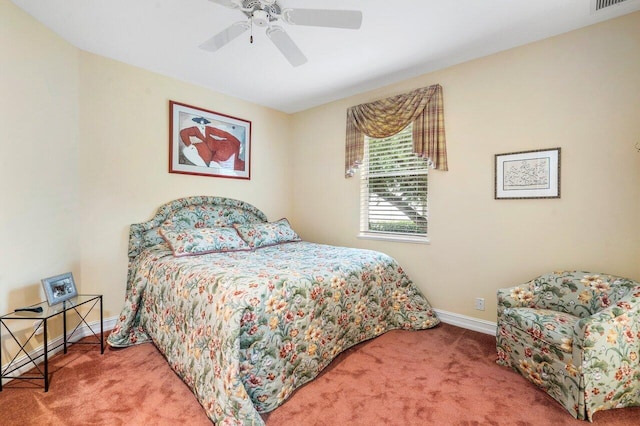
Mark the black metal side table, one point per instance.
(48, 312)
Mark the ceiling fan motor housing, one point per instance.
(261, 12)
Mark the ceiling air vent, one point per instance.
(602, 4)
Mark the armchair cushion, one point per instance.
(555, 328)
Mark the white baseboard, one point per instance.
(83, 331)
(470, 323)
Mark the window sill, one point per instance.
(394, 238)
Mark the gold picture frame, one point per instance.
(527, 174)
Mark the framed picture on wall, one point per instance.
(208, 143)
(527, 174)
(59, 288)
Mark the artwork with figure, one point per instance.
(208, 143)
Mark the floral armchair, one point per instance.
(576, 335)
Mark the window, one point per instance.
(393, 189)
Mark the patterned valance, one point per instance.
(387, 117)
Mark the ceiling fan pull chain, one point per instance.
(251, 36)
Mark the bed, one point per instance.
(245, 325)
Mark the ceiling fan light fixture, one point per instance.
(260, 18)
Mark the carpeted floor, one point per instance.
(443, 376)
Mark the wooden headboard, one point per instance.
(190, 212)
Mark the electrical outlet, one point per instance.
(38, 329)
(480, 303)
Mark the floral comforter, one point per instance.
(244, 329)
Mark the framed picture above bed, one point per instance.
(527, 174)
(208, 143)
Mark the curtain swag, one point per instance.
(386, 117)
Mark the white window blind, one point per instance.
(393, 187)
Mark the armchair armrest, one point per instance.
(514, 297)
(606, 325)
(608, 342)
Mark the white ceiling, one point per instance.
(398, 39)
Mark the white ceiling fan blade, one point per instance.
(350, 19)
(224, 36)
(228, 3)
(285, 44)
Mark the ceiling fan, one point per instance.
(265, 13)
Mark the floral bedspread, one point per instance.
(244, 329)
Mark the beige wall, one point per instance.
(39, 178)
(579, 91)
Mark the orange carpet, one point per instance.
(443, 376)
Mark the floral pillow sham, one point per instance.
(189, 242)
(267, 234)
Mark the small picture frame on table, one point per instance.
(527, 174)
(59, 288)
